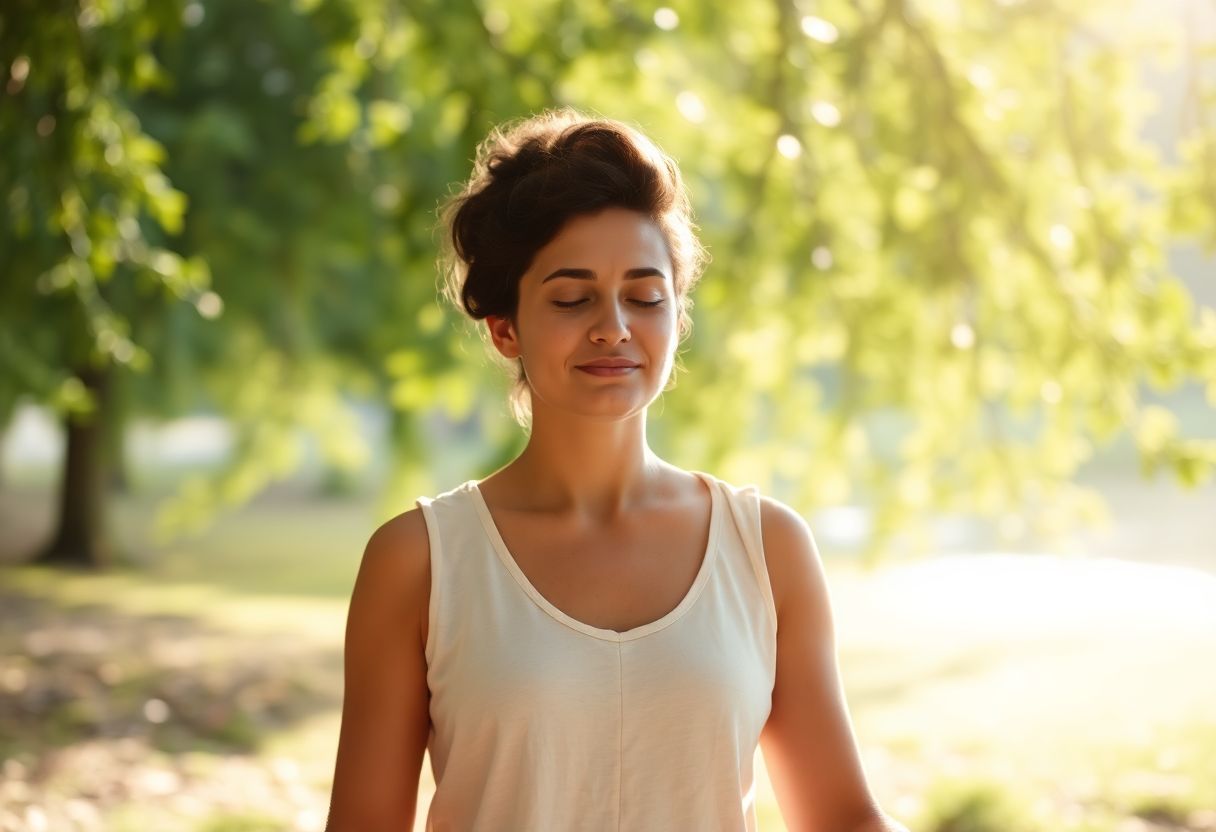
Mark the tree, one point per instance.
(939, 240)
(939, 273)
(86, 205)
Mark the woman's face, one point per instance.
(601, 289)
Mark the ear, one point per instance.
(503, 334)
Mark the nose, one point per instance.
(610, 326)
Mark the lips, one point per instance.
(611, 362)
(610, 366)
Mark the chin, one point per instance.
(610, 405)
(615, 410)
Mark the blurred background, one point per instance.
(961, 314)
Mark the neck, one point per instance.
(591, 468)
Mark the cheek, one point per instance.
(549, 338)
(664, 325)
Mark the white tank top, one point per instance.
(543, 722)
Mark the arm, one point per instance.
(808, 743)
(385, 704)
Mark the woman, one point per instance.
(590, 638)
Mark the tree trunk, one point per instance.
(8, 409)
(81, 537)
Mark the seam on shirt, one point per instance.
(620, 756)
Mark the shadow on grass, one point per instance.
(79, 673)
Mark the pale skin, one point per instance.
(587, 482)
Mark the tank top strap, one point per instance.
(744, 502)
(450, 518)
(427, 506)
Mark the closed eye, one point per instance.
(579, 302)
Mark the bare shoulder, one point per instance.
(395, 572)
(401, 538)
(794, 565)
(384, 702)
(781, 520)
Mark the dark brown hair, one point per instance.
(529, 179)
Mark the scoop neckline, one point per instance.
(673, 615)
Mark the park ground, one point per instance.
(199, 688)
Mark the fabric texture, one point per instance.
(543, 722)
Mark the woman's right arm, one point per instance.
(385, 703)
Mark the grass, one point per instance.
(975, 805)
(988, 692)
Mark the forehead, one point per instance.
(615, 239)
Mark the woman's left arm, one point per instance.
(809, 748)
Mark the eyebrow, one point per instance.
(588, 274)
